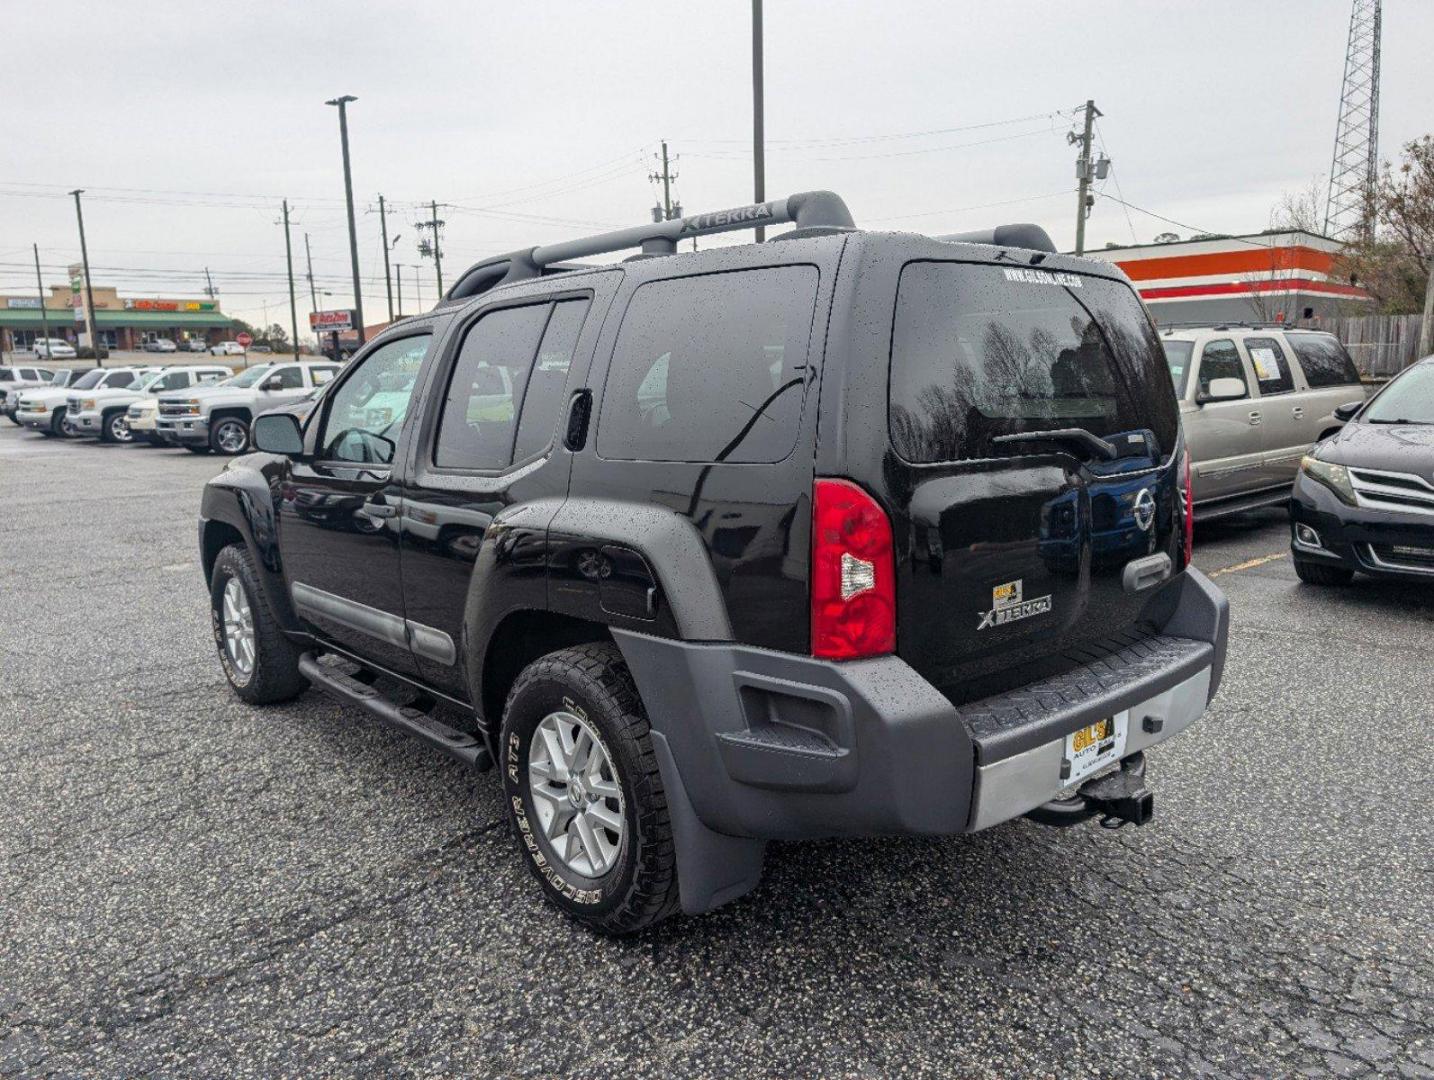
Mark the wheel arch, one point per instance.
(519, 638)
(237, 507)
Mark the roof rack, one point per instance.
(1025, 235)
(813, 210)
(1225, 324)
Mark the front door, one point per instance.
(492, 441)
(1225, 437)
(339, 510)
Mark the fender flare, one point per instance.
(243, 499)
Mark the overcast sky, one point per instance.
(533, 122)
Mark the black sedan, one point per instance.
(1364, 498)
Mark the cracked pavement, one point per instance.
(190, 887)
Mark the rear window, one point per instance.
(981, 351)
(1271, 369)
(1324, 360)
(710, 368)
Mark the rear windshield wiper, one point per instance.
(1075, 436)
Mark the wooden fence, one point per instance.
(1382, 345)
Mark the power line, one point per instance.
(840, 140)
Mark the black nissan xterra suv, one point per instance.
(843, 533)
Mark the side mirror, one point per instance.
(273, 382)
(1345, 413)
(1224, 390)
(278, 433)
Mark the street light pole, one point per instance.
(89, 288)
(342, 103)
(759, 124)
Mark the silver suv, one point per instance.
(1252, 401)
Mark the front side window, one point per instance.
(290, 378)
(1324, 360)
(507, 385)
(366, 413)
(1221, 360)
(175, 380)
(118, 379)
(983, 351)
(711, 368)
(1272, 369)
(250, 377)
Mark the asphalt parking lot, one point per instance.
(193, 887)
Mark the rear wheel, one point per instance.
(1313, 573)
(262, 665)
(229, 435)
(583, 791)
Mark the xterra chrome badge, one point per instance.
(1008, 606)
(1144, 510)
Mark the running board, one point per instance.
(353, 691)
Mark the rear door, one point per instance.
(1285, 426)
(1329, 373)
(1015, 550)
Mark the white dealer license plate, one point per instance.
(1095, 746)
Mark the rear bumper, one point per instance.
(1363, 539)
(773, 745)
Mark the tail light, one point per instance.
(853, 579)
(1188, 548)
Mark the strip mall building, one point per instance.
(121, 322)
(1261, 277)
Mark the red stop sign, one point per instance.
(245, 340)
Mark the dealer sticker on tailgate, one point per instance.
(1095, 746)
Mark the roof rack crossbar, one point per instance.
(808, 209)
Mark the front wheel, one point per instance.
(1313, 573)
(58, 426)
(116, 429)
(229, 436)
(261, 664)
(583, 791)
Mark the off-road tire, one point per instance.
(1313, 573)
(275, 676)
(219, 425)
(593, 682)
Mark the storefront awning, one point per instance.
(29, 319)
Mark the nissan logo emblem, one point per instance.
(1144, 510)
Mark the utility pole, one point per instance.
(759, 132)
(387, 279)
(342, 103)
(89, 287)
(399, 267)
(1085, 171)
(289, 258)
(437, 248)
(309, 258)
(209, 289)
(667, 211)
(40, 285)
(1426, 328)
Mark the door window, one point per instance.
(366, 413)
(710, 368)
(507, 385)
(175, 380)
(1221, 360)
(118, 379)
(1324, 360)
(321, 375)
(1272, 369)
(290, 378)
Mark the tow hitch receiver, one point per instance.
(1119, 797)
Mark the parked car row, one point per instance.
(202, 407)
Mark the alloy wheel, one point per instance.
(238, 621)
(119, 429)
(231, 436)
(576, 794)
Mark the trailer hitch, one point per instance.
(1119, 798)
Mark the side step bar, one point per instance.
(351, 691)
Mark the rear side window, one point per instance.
(981, 351)
(1272, 369)
(1324, 360)
(507, 385)
(710, 368)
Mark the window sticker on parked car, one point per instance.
(1267, 364)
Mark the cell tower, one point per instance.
(1355, 170)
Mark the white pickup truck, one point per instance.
(105, 412)
(45, 409)
(217, 417)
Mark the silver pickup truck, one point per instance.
(217, 417)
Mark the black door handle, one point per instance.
(579, 413)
